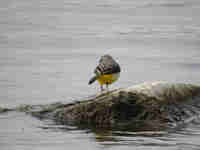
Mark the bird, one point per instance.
(106, 72)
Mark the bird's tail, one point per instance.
(92, 79)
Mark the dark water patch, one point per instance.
(175, 4)
(170, 4)
(158, 144)
(188, 65)
(131, 139)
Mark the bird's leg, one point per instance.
(101, 88)
(107, 86)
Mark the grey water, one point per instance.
(49, 49)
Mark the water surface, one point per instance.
(48, 50)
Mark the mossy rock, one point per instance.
(4, 110)
(149, 106)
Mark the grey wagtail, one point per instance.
(107, 71)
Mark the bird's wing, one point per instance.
(107, 67)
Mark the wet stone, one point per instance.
(148, 106)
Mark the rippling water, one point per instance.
(49, 50)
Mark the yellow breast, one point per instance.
(108, 78)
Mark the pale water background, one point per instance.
(49, 48)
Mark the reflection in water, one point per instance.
(28, 131)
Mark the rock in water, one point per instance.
(148, 106)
